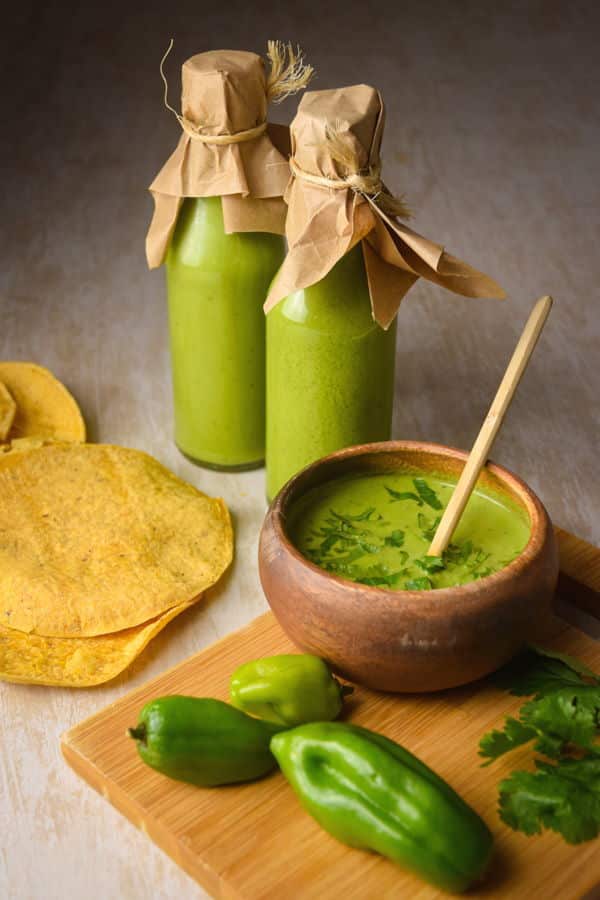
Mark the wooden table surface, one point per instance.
(492, 133)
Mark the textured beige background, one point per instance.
(494, 109)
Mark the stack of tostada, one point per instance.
(100, 546)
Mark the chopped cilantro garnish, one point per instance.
(418, 584)
(430, 563)
(348, 519)
(427, 494)
(403, 495)
(348, 538)
(379, 576)
(428, 527)
(380, 580)
(395, 539)
(458, 554)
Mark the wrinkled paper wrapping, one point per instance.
(324, 223)
(223, 92)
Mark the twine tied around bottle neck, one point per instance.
(235, 137)
(369, 183)
(366, 182)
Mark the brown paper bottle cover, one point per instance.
(224, 92)
(336, 199)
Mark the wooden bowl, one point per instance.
(408, 640)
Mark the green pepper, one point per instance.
(289, 689)
(371, 793)
(203, 741)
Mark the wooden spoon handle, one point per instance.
(491, 425)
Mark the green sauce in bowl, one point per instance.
(376, 530)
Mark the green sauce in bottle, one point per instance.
(216, 286)
(218, 219)
(330, 361)
(330, 371)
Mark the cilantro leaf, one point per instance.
(458, 554)
(401, 559)
(560, 719)
(564, 717)
(403, 495)
(431, 563)
(348, 519)
(564, 798)
(427, 494)
(418, 584)
(368, 548)
(329, 542)
(569, 661)
(378, 576)
(428, 528)
(540, 672)
(395, 539)
(496, 743)
(479, 558)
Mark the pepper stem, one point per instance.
(346, 689)
(138, 733)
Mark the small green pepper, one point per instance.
(203, 741)
(370, 793)
(289, 689)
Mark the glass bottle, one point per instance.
(216, 285)
(330, 371)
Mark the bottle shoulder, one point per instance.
(339, 303)
(199, 239)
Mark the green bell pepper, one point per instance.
(289, 689)
(203, 741)
(370, 793)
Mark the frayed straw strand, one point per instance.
(289, 73)
(369, 183)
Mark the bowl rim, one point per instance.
(465, 596)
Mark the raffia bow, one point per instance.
(366, 182)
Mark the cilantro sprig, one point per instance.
(564, 798)
(563, 721)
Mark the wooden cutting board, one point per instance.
(254, 841)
